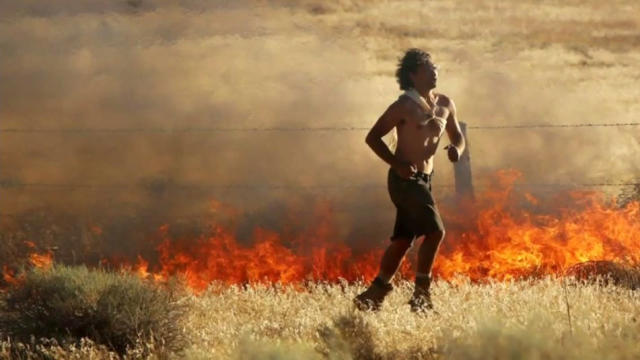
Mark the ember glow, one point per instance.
(41, 260)
(8, 275)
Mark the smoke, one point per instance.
(572, 155)
(158, 66)
(162, 67)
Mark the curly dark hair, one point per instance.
(409, 64)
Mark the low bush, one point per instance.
(119, 310)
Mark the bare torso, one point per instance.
(418, 138)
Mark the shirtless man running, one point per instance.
(421, 116)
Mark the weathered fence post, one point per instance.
(462, 171)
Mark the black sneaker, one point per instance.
(373, 297)
(421, 299)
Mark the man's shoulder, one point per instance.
(444, 100)
(403, 100)
(403, 103)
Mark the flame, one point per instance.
(504, 235)
(38, 260)
(219, 257)
(8, 275)
(506, 241)
(142, 270)
(41, 260)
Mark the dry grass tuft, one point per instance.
(64, 305)
(499, 320)
(606, 272)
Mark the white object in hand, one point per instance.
(422, 102)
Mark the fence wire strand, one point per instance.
(11, 184)
(285, 129)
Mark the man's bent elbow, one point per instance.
(369, 139)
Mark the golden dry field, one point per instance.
(129, 75)
(547, 318)
(511, 320)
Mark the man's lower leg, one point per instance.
(421, 299)
(373, 297)
(392, 258)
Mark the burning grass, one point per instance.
(505, 234)
(500, 292)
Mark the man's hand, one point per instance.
(405, 170)
(437, 126)
(438, 122)
(452, 153)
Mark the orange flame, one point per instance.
(505, 234)
(506, 241)
(219, 257)
(498, 237)
(37, 260)
(8, 275)
(42, 261)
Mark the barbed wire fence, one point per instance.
(8, 184)
(283, 129)
(13, 184)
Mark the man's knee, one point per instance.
(434, 236)
(402, 244)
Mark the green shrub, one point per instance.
(119, 310)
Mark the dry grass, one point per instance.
(523, 319)
(607, 272)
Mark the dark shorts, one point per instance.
(417, 213)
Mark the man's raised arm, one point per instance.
(455, 134)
